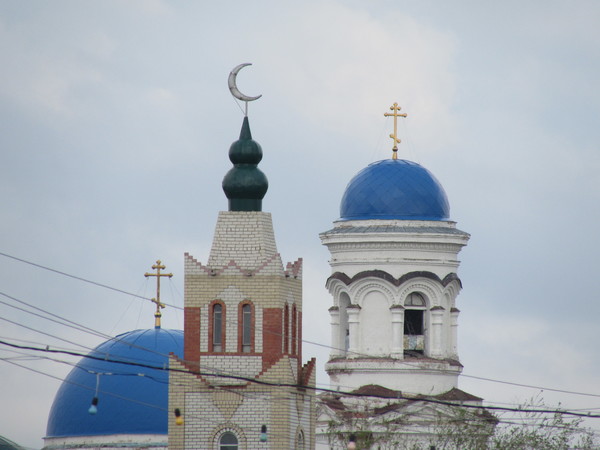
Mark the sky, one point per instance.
(116, 120)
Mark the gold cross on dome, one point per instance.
(394, 136)
(158, 267)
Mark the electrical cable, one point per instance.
(280, 334)
(296, 386)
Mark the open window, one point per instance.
(344, 332)
(414, 339)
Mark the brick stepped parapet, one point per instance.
(271, 266)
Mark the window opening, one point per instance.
(286, 329)
(294, 330)
(246, 328)
(300, 443)
(414, 299)
(414, 339)
(217, 328)
(228, 441)
(413, 322)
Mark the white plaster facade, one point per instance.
(387, 276)
(108, 442)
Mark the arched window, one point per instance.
(217, 328)
(344, 331)
(228, 441)
(294, 330)
(300, 441)
(247, 328)
(286, 329)
(414, 340)
(414, 299)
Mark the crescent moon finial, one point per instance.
(234, 89)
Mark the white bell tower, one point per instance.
(394, 281)
(394, 319)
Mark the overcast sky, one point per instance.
(116, 120)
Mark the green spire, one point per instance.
(245, 184)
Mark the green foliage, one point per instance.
(533, 431)
(458, 428)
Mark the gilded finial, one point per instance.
(158, 267)
(394, 136)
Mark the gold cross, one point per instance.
(394, 136)
(158, 266)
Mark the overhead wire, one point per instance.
(404, 362)
(296, 386)
(405, 425)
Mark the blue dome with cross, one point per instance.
(127, 376)
(394, 189)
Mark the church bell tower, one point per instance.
(394, 281)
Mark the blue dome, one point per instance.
(394, 189)
(127, 403)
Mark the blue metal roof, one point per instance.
(394, 189)
(128, 403)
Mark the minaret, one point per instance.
(242, 366)
(394, 260)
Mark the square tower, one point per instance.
(242, 367)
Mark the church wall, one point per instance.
(108, 442)
(268, 295)
(375, 325)
(208, 411)
(245, 366)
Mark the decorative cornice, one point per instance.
(293, 269)
(395, 281)
(395, 246)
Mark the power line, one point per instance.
(296, 386)
(85, 280)
(268, 331)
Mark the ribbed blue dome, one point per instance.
(127, 403)
(394, 189)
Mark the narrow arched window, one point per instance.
(246, 328)
(414, 340)
(217, 326)
(228, 441)
(286, 329)
(300, 441)
(294, 330)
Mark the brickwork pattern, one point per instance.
(244, 366)
(208, 412)
(243, 267)
(244, 237)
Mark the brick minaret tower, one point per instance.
(243, 327)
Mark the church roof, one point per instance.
(132, 399)
(6, 444)
(394, 189)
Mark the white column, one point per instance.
(454, 332)
(437, 323)
(397, 331)
(353, 348)
(336, 345)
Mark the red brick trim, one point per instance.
(191, 333)
(272, 335)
